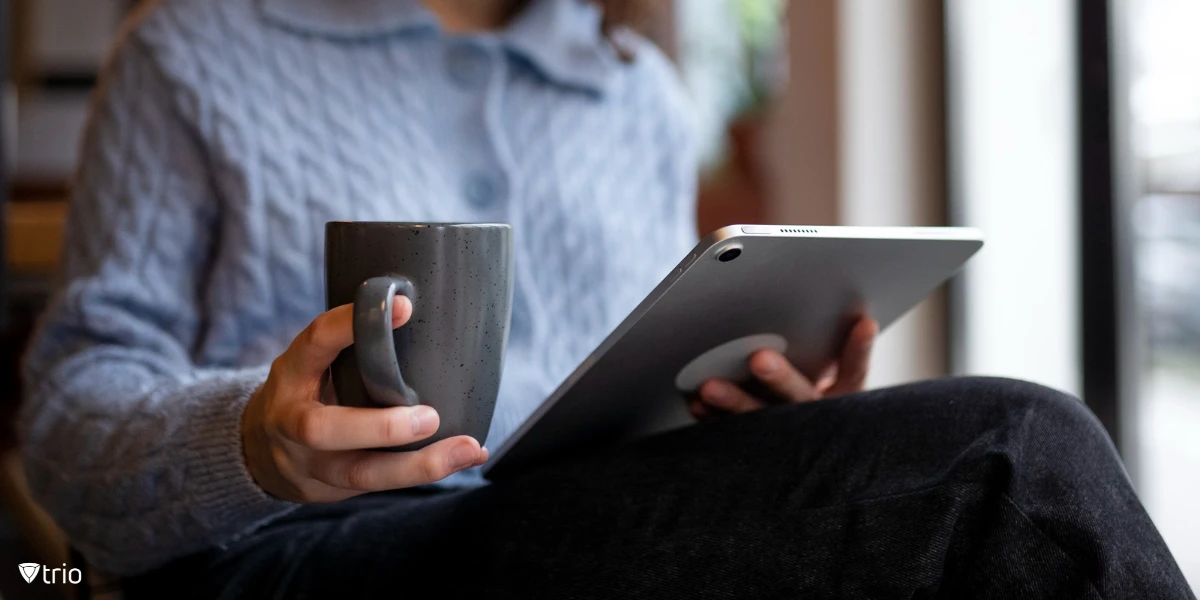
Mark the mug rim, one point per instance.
(416, 224)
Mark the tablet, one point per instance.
(796, 289)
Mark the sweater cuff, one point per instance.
(224, 495)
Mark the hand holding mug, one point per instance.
(301, 449)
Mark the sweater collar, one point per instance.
(559, 39)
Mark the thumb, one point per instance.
(314, 349)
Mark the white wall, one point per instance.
(1014, 165)
(856, 140)
(890, 163)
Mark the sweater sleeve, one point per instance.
(133, 448)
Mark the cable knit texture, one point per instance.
(226, 133)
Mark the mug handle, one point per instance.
(374, 347)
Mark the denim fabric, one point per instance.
(952, 488)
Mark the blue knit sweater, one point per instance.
(223, 137)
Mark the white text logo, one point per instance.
(64, 575)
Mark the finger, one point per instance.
(699, 410)
(777, 372)
(721, 394)
(827, 378)
(313, 490)
(855, 360)
(372, 471)
(331, 332)
(321, 427)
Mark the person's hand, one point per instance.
(784, 384)
(301, 449)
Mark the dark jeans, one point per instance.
(953, 488)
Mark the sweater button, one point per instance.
(483, 190)
(467, 65)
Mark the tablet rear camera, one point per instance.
(729, 254)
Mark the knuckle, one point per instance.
(317, 331)
(293, 486)
(800, 388)
(280, 367)
(392, 427)
(745, 403)
(273, 427)
(310, 428)
(282, 464)
(432, 467)
(359, 475)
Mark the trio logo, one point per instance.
(29, 571)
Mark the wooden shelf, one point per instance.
(33, 236)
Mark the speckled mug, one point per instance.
(450, 354)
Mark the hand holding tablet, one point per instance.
(796, 289)
(772, 379)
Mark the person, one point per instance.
(177, 423)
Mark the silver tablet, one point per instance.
(743, 287)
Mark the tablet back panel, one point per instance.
(808, 284)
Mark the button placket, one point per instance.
(468, 65)
(484, 190)
(473, 67)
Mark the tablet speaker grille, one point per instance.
(796, 230)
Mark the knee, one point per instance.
(1034, 408)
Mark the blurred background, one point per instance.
(1068, 130)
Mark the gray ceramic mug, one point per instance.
(449, 355)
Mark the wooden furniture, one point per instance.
(27, 234)
(33, 236)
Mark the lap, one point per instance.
(867, 495)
